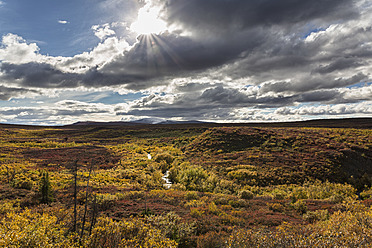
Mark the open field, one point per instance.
(233, 185)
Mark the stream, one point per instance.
(168, 182)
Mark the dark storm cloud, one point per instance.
(313, 83)
(7, 93)
(170, 54)
(319, 96)
(78, 112)
(239, 14)
(165, 55)
(338, 64)
(38, 75)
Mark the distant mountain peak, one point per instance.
(144, 121)
(153, 120)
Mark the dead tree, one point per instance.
(86, 202)
(75, 168)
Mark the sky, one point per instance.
(210, 60)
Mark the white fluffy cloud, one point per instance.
(103, 31)
(16, 50)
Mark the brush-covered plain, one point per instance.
(232, 186)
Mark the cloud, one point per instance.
(240, 57)
(224, 16)
(61, 112)
(103, 31)
(16, 50)
(339, 109)
(256, 45)
(7, 93)
(222, 102)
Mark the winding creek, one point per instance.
(168, 182)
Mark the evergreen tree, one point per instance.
(45, 188)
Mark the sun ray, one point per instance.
(176, 59)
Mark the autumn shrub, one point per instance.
(193, 178)
(221, 199)
(195, 203)
(164, 157)
(151, 180)
(196, 212)
(211, 183)
(126, 233)
(240, 203)
(279, 194)
(191, 195)
(366, 194)
(212, 239)
(28, 229)
(22, 181)
(326, 190)
(163, 166)
(106, 201)
(226, 187)
(246, 194)
(300, 206)
(352, 228)
(317, 215)
(242, 175)
(213, 209)
(243, 239)
(298, 193)
(276, 207)
(173, 227)
(8, 206)
(174, 172)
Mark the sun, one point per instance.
(148, 21)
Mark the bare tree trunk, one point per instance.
(86, 203)
(75, 196)
(94, 215)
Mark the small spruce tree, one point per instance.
(45, 188)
